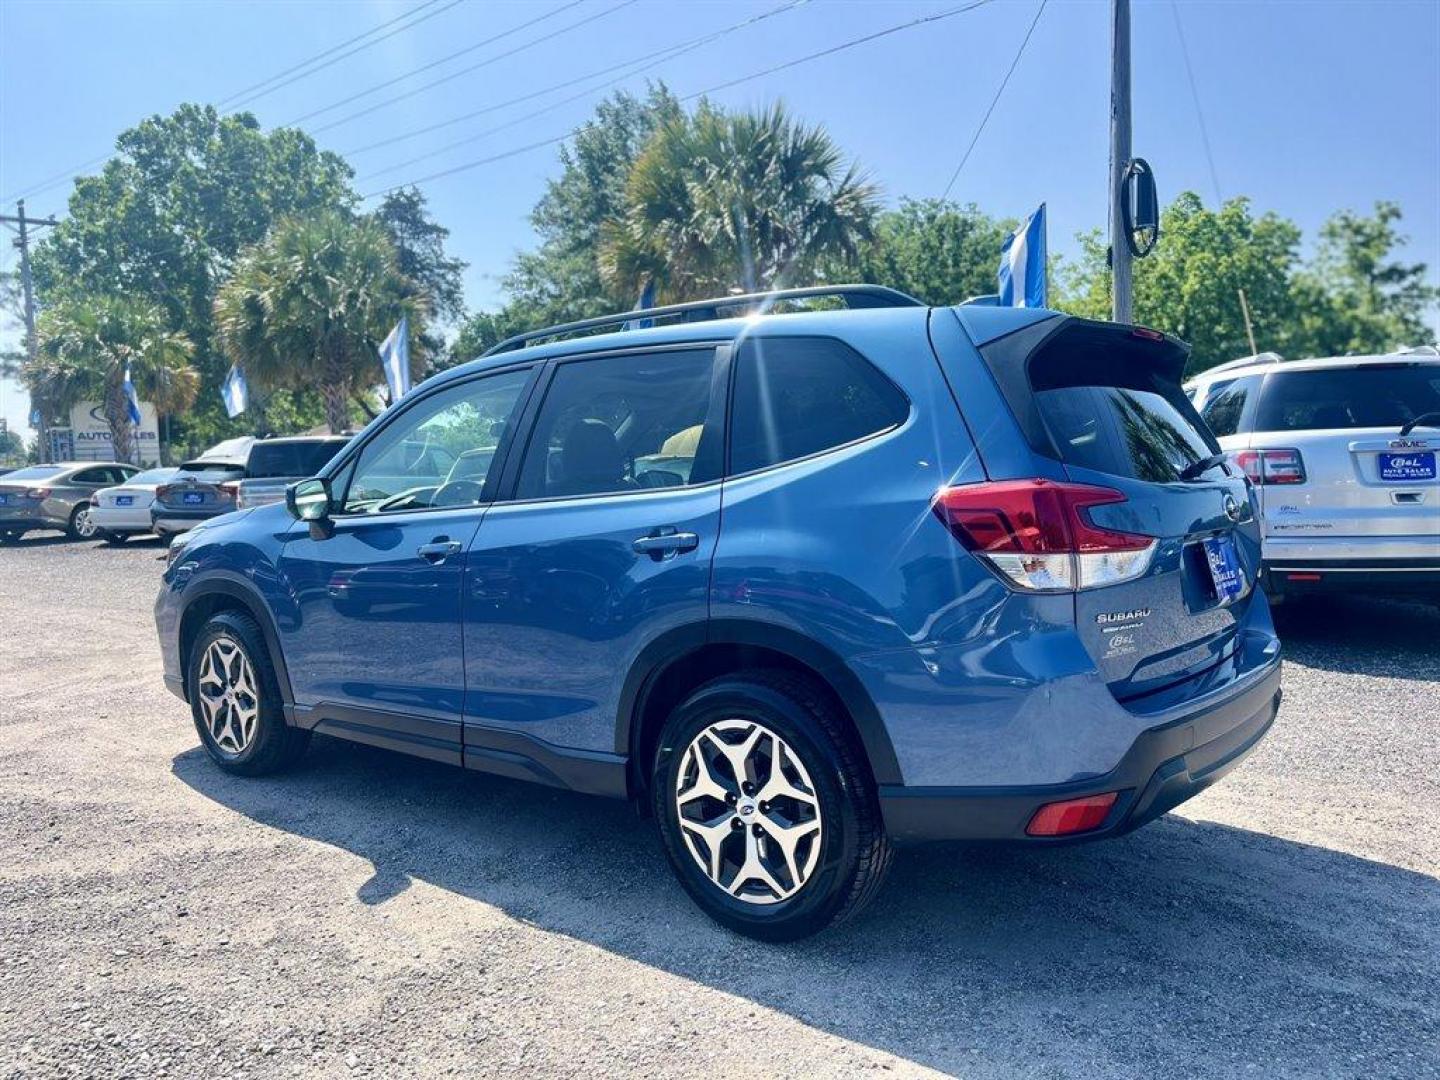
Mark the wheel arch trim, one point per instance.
(213, 587)
(680, 642)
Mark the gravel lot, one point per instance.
(372, 914)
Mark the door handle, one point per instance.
(665, 544)
(437, 551)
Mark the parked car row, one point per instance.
(115, 501)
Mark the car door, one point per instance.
(373, 638)
(605, 545)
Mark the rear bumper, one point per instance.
(174, 520)
(1165, 766)
(122, 518)
(1408, 576)
(19, 518)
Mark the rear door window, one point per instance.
(1371, 395)
(800, 396)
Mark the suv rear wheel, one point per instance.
(235, 699)
(768, 814)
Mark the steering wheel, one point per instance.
(457, 493)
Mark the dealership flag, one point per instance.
(132, 403)
(647, 300)
(1022, 264)
(395, 359)
(235, 392)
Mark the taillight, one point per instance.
(1039, 535)
(230, 488)
(1272, 466)
(164, 490)
(38, 493)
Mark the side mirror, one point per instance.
(1141, 206)
(309, 500)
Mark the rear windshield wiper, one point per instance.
(1196, 468)
(1429, 419)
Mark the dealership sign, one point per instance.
(90, 432)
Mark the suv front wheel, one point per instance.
(768, 814)
(235, 699)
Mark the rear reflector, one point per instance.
(1272, 466)
(1302, 577)
(1071, 816)
(1038, 533)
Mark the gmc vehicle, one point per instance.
(802, 585)
(1342, 453)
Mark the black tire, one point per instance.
(854, 852)
(274, 744)
(8, 536)
(115, 538)
(72, 530)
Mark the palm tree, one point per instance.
(309, 305)
(719, 199)
(88, 344)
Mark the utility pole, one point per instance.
(1121, 307)
(27, 285)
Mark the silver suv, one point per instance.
(1342, 452)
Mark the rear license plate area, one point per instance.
(1404, 468)
(192, 498)
(1227, 576)
(124, 500)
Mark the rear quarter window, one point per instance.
(800, 396)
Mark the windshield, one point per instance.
(298, 459)
(33, 472)
(1371, 395)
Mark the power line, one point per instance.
(1195, 97)
(432, 64)
(665, 56)
(223, 102)
(467, 70)
(995, 100)
(61, 177)
(852, 43)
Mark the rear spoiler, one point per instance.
(1063, 350)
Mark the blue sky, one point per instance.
(1311, 106)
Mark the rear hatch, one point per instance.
(1346, 468)
(1105, 401)
(201, 486)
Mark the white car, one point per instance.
(124, 511)
(1342, 454)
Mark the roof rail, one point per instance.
(1420, 350)
(855, 296)
(1246, 361)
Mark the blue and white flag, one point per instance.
(132, 402)
(1022, 264)
(647, 300)
(235, 392)
(395, 359)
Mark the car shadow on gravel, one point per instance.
(1224, 946)
(1362, 635)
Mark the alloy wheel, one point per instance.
(749, 811)
(228, 697)
(84, 524)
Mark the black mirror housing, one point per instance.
(309, 500)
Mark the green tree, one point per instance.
(88, 345)
(938, 251)
(420, 253)
(1355, 296)
(310, 304)
(1190, 285)
(167, 216)
(720, 200)
(560, 280)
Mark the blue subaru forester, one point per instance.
(802, 584)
